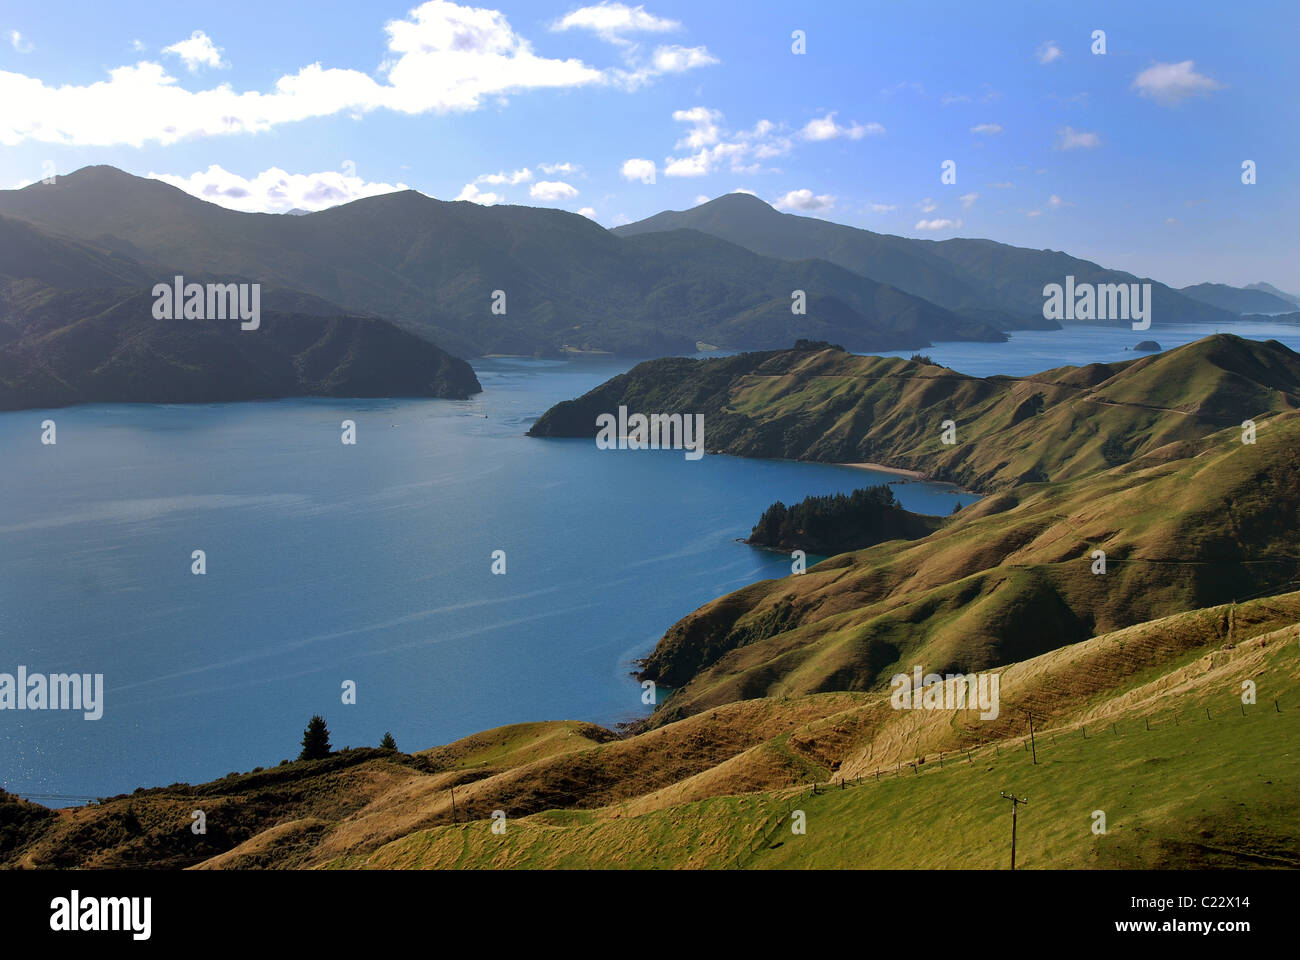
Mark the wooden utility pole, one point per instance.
(1015, 802)
(1033, 746)
(454, 818)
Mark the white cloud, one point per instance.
(474, 195)
(701, 199)
(882, 207)
(674, 59)
(715, 146)
(743, 190)
(587, 212)
(197, 51)
(1048, 52)
(1055, 201)
(441, 58)
(825, 128)
(804, 200)
(137, 46)
(937, 224)
(611, 21)
(1071, 139)
(552, 190)
(274, 190)
(968, 200)
(20, 43)
(986, 129)
(554, 168)
(638, 169)
(704, 126)
(519, 176)
(928, 205)
(1171, 83)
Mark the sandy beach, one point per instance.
(910, 474)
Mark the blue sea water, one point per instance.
(371, 563)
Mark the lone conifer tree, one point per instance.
(388, 743)
(315, 740)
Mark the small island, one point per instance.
(1148, 345)
(840, 523)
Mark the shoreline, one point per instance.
(881, 468)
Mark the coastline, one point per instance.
(880, 467)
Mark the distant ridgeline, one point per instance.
(839, 523)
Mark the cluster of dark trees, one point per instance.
(839, 523)
(316, 740)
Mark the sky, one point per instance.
(851, 111)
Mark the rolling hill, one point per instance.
(1146, 724)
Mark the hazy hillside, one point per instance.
(967, 276)
(1291, 298)
(77, 326)
(1238, 299)
(433, 266)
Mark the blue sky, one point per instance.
(1132, 158)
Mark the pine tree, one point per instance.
(388, 743)
(315, 740)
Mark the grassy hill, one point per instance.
(830, 406)
(1120, 726)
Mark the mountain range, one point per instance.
(474, 280)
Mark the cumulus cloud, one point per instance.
(1048, 52)
(638, 169)
(928, 205)
(1070, 139)
(715, 146)
(986, 129)
(825, 128)
(805, 199)
(552, 190)
(613, 21)
(1171, 83)
(197, 51)
(519, 176)
(937, 224)
(968, 200)
(473, 194)
(441, 57)
(20, 43)
(554, 168)
(675, 59)
(275, 190)
(587, 212)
